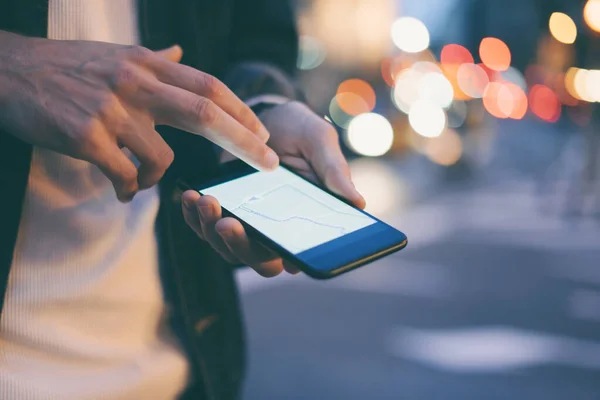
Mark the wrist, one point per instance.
(263, 103)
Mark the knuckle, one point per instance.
(140, 53)
(87, 143)
(247, 115)
(205, 111)
(165, 158)
(208, 84)
(125, 77)
(110, 108)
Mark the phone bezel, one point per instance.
(237, 169)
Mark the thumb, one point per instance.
(173, 53)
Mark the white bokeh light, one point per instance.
(593, 85)
(436, 88)
(370, 135)
(410, 35)
(406, 91)
(427, 119)
(581, 84)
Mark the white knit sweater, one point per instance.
(84, 316)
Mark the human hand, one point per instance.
(306, 143)
(88, 100)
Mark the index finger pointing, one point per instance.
(205, 85)
(195, 114)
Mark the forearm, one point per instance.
(9, 44)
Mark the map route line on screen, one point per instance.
(341, 228)
(287, 185)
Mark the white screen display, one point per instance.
(288, 210)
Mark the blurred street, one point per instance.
(497, 295)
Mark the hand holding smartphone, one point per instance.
(313, 229)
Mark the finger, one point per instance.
(190, 212)
(290, 268)
(326, 157)
(173, 54)
(117, 167)
(149, 148)
(209, 212)
(205, 85)
(184, 110)
(248, 252)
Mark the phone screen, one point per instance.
(292, 212)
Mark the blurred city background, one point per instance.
(472, 126)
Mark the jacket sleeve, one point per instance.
(263, 50)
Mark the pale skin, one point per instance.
(90, 100)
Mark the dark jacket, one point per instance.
(234, 40)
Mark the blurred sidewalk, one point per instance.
(492, 299)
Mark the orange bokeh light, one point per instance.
(520, 103)
(495, 54)
(392, 66)
(472, 80)
(456, 54)
(355, 97)
(497, 100)
(544, 103)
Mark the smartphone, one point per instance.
(312, 228)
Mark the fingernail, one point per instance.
(205, 211)
(126, 197)
(271, 159)
(263, 133)
(227, 234)
(189, 203)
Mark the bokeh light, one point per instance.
(446, 149)
(370, 134)
(436, 88)
(472, 80)
(426, 66)
(406, 91)
(564, 95)
(580, 85)
(455, 54)
(513, 76)
(427, 119)
(361, 90)
(390, 68)
(544, 103)
(423, 81)
(593, 85)
(591, 14)
(498, 100)
(495, 54)
(311, 53)
(337, 115)
(563, 28)
(519, 101)
(410, 35)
